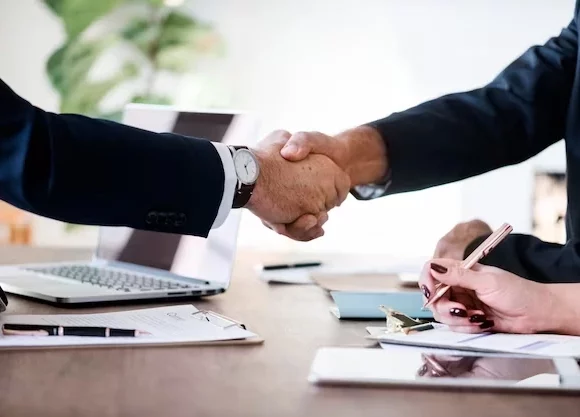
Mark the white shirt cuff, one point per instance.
(230, 181)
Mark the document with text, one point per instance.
(182, 324)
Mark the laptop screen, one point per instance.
(210, 258)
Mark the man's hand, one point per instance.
(285, 190)
(360, 152)
(454, 243)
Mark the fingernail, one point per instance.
(438, 268)
(486, 324)
(458, 312)
(477, 318)
(290, 149)
(422, 371)
(309, 225)
(425, 291)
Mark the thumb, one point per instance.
(450, 272)
(301, 144)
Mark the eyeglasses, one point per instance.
(3, 300)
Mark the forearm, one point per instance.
(562, 310)
(81, 170)
(519, 114)
(536, 260)
(366, 155)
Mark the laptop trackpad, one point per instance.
(57, 287)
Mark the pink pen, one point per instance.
(481, 251)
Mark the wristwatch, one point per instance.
(247, 170)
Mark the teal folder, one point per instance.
(365, 305)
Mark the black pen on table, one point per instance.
(11, 329)
(274, 267)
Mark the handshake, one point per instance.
(305, 175)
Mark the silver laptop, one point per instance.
(131, 264)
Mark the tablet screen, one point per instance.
(409, 365)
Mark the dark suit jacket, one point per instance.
(532, 104)
(81, 170)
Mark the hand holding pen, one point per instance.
(473, 298)
(485, 298)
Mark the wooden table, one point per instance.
(261, 380)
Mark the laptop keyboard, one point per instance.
(110, 278)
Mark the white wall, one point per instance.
(331, 64)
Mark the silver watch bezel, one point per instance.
(246, 150)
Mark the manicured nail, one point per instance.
(422, 371)
(438, 268)
(477, 318)
(458, 312)
(290, 149)
(425, 292)
(486, 324)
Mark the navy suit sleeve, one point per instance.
(516, 116)
(534, 259)
(90, 171)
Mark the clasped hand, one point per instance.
(293, 198)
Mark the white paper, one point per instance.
(407, 269)
(410, 267)
(551, 345)
(167, 325)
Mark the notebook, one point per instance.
(365, 305)
(174, 325)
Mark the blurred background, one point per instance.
(300, 64)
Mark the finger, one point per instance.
(322, 218)
(450, 272)
(312, 234)
(342, 184)
(301, 144)
(306, 227)
(481, 328)
(331, 194)
(427, 284)
(451, 313)
(465, 297)
(303, 223)
(278, 228)
(456, 314)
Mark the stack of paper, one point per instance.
(552, 345)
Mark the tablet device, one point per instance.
(356, 366)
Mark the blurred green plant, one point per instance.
(161, 39)
(166, 38)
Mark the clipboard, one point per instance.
(182, 325)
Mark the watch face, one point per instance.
(246, 166)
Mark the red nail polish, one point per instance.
(458, 312)
(477, 318)
(425, 291)
(487, 324)
(438, 268)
